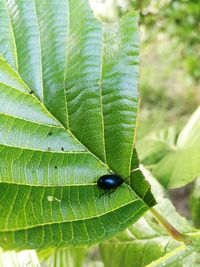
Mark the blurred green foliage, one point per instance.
(195, 203)
(173, 157)
(180, 21)
(170, 74)
(170, 63)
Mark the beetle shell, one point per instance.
(109, 181)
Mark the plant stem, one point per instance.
(169, 228)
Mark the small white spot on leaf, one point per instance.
(52, 198)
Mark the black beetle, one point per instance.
(109, 181)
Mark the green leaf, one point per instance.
(138, 182)
(195, 203)
(182, 256)
(68, 105)
(7, 43)
(177, 160)
(19, 259)
(146, 241)
(73, 257)
(156, 145)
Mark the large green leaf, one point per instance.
(175, 159)
(146, 241)
(68, 104)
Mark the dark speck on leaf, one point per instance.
(56, 167)
(62, 148)
(50, 133)
(31, 92)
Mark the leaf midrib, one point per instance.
(41, 72)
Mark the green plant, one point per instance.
(173, 156)
(68, 106)
(177, 20)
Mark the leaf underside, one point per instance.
(68, 104)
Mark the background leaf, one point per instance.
(182, 256)
(138, 182)
(175, 158)
(68, 105)
(73, 257)
(195, 203)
